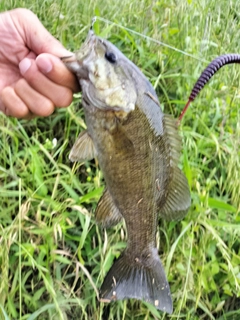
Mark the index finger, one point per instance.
(56, 71)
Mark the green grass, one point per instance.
(53, 257)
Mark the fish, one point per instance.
(138, 149)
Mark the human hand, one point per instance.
(33, 80)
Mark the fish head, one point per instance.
(107, 78)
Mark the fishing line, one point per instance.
(207, 73)
(151, 39)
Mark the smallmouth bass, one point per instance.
(138, 149)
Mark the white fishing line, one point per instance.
(151, 39)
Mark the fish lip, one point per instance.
(75, 66)
(86, 49)
(68, 59)
(90, 37)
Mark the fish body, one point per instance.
(138, 149)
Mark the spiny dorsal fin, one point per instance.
(177, 201)
(83, 148)
(107, 214)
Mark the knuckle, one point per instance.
(65, 99)
(46, 108)
(23, 11)
(12, 105)
(20, 84)
(20, 113)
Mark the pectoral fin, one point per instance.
(107, 214)
(83, 149)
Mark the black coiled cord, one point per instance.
(211, 69)
(207, 74)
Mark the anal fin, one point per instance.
(107, 214)
(83, 148)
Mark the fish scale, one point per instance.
(137, 159)
(138, 149)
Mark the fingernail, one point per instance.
(44, 65)
(24, 65)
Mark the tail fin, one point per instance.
(139, 278)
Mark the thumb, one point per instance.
(35, 36)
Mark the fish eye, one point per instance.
(111, 57)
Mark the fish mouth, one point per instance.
(75, 66)
(76, 62)
(69, 59)
(88, 47)
(85, 49)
